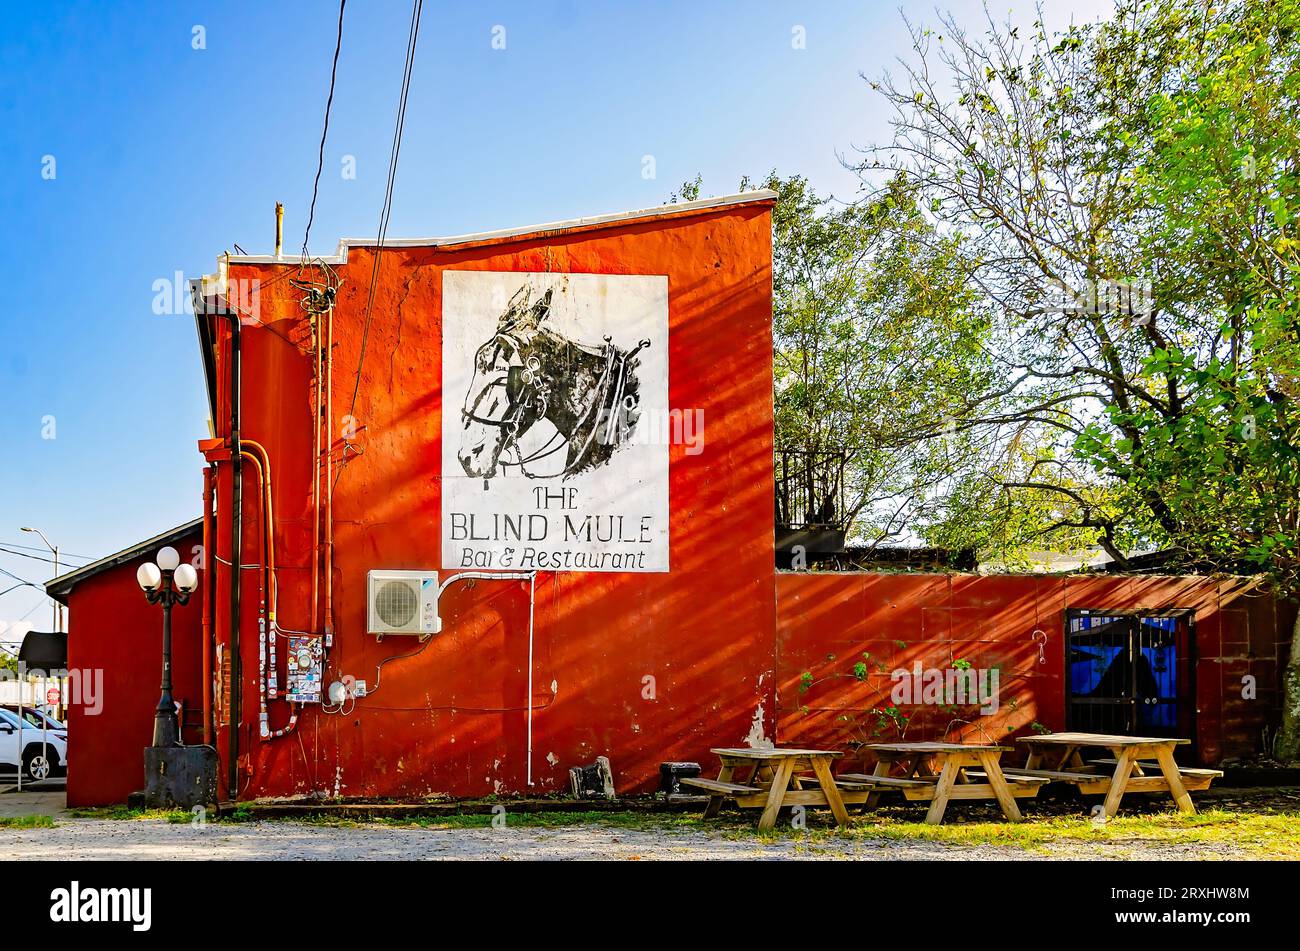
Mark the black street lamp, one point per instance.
(168, 582)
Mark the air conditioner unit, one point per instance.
(403, 602)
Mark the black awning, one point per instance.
(44, 650)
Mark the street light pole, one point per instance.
(54, 549)
(167, 583)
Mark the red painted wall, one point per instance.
(115, 632)
(639, 667)
(452, 718)
(826, 622)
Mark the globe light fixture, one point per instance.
(148, 576)
(168, 583)
(187, 579)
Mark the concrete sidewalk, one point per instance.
(44, 800)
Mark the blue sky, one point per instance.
(165, 155)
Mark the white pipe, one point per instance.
(532, 598)
(45, 726)
(22, 675)
(486, 576)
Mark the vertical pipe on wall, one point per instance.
(270, 585)
(532, 598)
(265, 589)
(329, 482)
(315, 476)
(209, 601)
(236, 551)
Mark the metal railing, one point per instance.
(809, 487)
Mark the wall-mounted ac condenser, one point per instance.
(403, 602)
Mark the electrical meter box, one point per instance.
(306, 667)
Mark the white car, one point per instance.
(41, 753)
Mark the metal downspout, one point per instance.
(209, 599)
(236, 553)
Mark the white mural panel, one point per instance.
(551, 383)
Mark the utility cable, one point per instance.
(386, 212)
(329, 101)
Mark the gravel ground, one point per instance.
(145, 839)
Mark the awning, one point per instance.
(44, 650)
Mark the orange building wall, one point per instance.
(638, 667)
(451, 719)
(826, 622)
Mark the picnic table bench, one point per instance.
(959, 771)
(1123, 772)
(774, 781)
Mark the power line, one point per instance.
(48, 561)
(416, 9)
(21, 581)
(45, 548)
(38, 604)
(329, 101)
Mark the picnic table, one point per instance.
(1056, 756)
(940, 772)
(773, 779)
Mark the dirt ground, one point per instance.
(1232, 824)
(154, 839)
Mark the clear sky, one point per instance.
(127, 155)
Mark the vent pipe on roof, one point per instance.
(279, 227)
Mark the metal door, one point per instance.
(1130, 673)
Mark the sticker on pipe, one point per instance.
(556, 427)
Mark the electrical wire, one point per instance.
(329, 101)
(21, 581)
(48, 561)
(45, 548)
(417, 8)
(243, 566)
(38, 604)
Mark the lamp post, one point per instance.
(54, 550)
(168, 582)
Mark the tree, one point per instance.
(877, 340)
(1218, 149)
(1125, 194)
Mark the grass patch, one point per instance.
(1261, 834)
(615, 820)
(1271, 834)
(26, 822)
(125, 813)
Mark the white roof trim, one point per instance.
(341, 256)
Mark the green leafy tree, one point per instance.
(878, 342)
(1124, 194)
(1217, 149)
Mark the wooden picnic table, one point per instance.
(1057, 755)
(773, 780)
(959, 771)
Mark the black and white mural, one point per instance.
(549, 381)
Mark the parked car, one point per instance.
(40, 752)
(37, 717)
